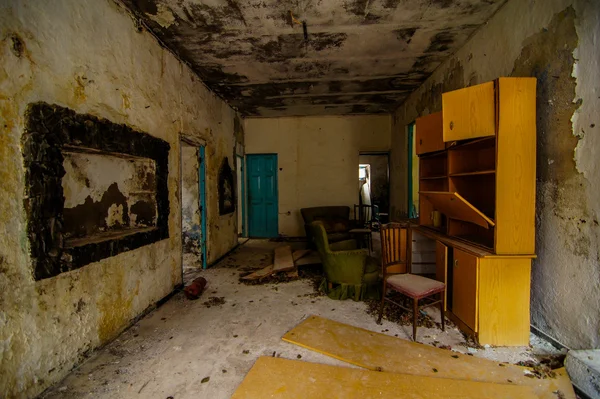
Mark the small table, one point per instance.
(366, 236)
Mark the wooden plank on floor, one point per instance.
(300, 254)
(262, 273)
(272, 377)
(376, 351)
(312, 258)
(284, 262)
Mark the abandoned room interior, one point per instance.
(300, 199)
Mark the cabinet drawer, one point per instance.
(469, 113)
(464, 288)
(429, 134)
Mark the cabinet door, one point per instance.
(429, 137)
(464, 288)
(441, 265)
(469, 113)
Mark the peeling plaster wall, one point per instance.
(88, 56)
(555, 41)
(318, 159)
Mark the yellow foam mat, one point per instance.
(375, 351)
(281, 378)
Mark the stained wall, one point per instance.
(317, 159)
(91, 57)
(556, 42)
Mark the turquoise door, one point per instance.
(262, 195)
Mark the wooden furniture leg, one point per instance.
(442, 300)
(382, 302)
(415, 317)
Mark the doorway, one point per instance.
(193, 208)
(263, 196)
(241, 191)
(374, 183)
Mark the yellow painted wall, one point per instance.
(89, 56)
(318, 159)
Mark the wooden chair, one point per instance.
(395, 261)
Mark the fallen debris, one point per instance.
(299, 254)
(260, 274)
(214, 301)
(284, 261)
(195, 289)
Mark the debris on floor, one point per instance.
(380, 352)
(214, 301)
(396, 314)
(283, 259)
(195, 289)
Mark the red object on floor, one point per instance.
(195, 289)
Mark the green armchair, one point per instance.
(349, 272)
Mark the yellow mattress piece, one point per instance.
(380, 352)
(281, 378)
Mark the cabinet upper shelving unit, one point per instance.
(477, 165)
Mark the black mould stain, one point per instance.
(215, 73)
(90, 217)
(147, 6)
(145, 213)
(323, 41)
(405, 34)
(441, 42)
(356, 7)
(391, 3)
(18, 46)
(371, 19)
(442, 3)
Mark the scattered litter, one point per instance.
(245, 351)
(205, 379)
(214, 301)
(299, 357)
(224, 371)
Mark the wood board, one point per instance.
(272, 377)
(376, 351)
(283, 262)
(262, 273)
(299, 254)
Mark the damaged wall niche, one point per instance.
(317, 159)
(64, 53)
(107, 193)
(554, 42)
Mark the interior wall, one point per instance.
(556, 42)
(90, 56)
(318, 159)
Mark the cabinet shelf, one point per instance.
(476, 173)
(433, 177)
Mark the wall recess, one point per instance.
(94, 188)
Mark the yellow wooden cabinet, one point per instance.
(428, 136)
(483, 184)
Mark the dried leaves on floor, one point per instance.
(396, 314)
(214, 301)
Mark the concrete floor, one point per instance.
(169, 352)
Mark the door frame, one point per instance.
(389, 176)
(276, 190)
(242, 161)
(200, 146)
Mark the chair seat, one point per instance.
(415, 286)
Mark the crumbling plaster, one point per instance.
(89, 56)
(538, 38)
(317, 159)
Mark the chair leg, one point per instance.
(415, 315)
(382, 303)
(442, 303)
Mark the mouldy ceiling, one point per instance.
(361, 56)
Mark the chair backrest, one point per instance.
(319, 237)
(364, 214)
(394, 248)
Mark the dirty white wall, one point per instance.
(318, 159)
(555, 41)
(88, 55)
